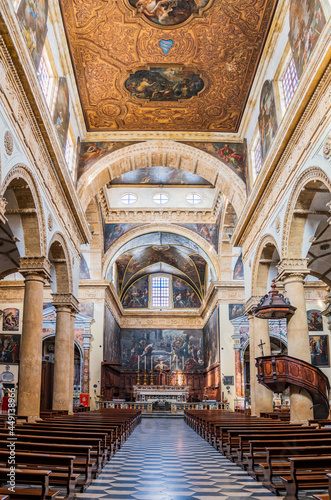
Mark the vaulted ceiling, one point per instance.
(165, 64)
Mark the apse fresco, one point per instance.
(207, 231)
(178, 349)
(319, 350)
(315, 320)
(10, 320)
(200, 265)
(307, 21)
(122, 263)
(61, 111)
(168, 12)
(236, 310)
(10, 348)
(164, 84)
(238, 272)
(84, 272)
(183, 295)
(91, 152)
(137, 294)
(32, 15)
(178, 258)
(210, 339)
(159, 175)
(231, 153)
(267, 117)
(114, 231)
(112, 349)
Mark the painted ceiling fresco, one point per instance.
(152, 176)
(208, 50)
(90, 152)
(180, 260)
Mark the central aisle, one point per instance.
(164, 459)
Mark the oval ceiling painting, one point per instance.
(168, 12)
(164, 84)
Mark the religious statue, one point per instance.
(162, 367)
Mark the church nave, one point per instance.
(164, 459)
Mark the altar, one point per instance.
(161, 393)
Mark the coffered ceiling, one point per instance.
(166, 65)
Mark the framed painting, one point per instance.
(10, 320)
(319, 350)
(10, 348)
(315, 320)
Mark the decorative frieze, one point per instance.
(66, 300)
(35, 266)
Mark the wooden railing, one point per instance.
(279, 372)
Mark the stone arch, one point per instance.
(93, 217)
(59, 256)
(294, 225)
(228, 221)
(30, 208)
(260, 272)
(168, 228)
(166, 153)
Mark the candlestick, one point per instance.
(176, 362)
(183, 361)
(145, 361)
(151, 383)
(177, 377)
(138, 362)
(138, 379)
(170, 379)
(145, 378)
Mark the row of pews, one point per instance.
(61, 455)
(284, 455)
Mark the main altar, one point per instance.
(161, 393)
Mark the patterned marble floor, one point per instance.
(164, 459)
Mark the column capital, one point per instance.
(35, 266)
(292, 270)
(250, 304)
(65, 300)
(3, 203)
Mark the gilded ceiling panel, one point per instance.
(165, 64)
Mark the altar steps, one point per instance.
(162, 414)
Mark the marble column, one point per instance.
(72, 361)
(64, 304)
(292, 272)
(35, 271)
(86, 368)
(264, 396)
(252, 369)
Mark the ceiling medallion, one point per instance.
(169, 12)
(164, 84)
(159, 248)
(166, 45)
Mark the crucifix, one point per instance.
(261, 347)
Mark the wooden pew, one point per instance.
(61, 467)
(82, 464)
(277, 463)
(306, 473)
(28, 477)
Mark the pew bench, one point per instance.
(83, 463)
(306, 473)
(61, 467)
(25, 478)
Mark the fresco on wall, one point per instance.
(61, 111)
(210, 339)
(236, 310)
(168, 13)
(238, 272)
(182, 349)
(164, 84)
(32, 15)
(114, 231)
(87, 308)
(122, 263)
(267, 117)
(177, 257)
(84, 272)
(10, 319)
(200, 265)
(319, 350)
(232, 153)
(315, 320)
(10, 348)
(91, 152)
(207, 231)
(151, 176)
(137, 294)
(112, 342)
(307, 21)
(183, 295)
